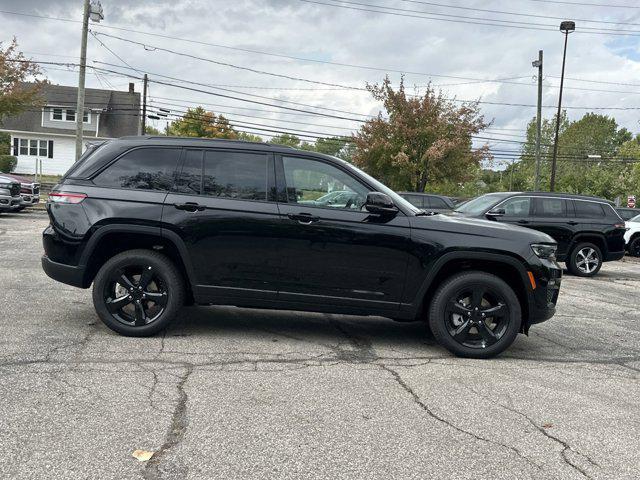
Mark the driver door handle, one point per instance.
(190, 206)
(572, 222)
(303, 218)
(523, 222)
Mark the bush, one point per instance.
(5, 143)
(8, 163)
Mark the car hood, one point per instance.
(479, 227)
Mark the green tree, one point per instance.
(287, 140)
(249, 137)
(198, 122)
(152, 131)
(580, 143)
(422, 140)
(16, 95)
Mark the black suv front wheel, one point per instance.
(138, 292)
(475, 315)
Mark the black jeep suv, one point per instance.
(588, 229)
(158, 222)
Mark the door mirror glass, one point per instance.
(380, 203)
(496, 212)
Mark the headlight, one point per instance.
(544, 250)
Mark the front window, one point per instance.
(315, 183)
(34, 148)
(480, 205)
(516, 207)
(60, 114)
(56, 114)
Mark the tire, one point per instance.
(634, 247)
(127, 308)
(461, 328)
(585, 260)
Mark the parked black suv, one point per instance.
(157, 222)
(588, 229)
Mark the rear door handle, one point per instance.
(304, 218)
(190, 206)
(572, 223)
(523, 222)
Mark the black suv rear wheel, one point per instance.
(634, 247)
(475, 314)
(585, 260)
(138, 292)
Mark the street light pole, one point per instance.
(538, 64)
(95, 11)
(566, 27)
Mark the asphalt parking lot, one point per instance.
(234, 393)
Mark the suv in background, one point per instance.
(10, 200)
(428, 201)
(588, 229)
(29, 190)
(157, 222)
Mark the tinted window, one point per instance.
(588, 209)
(516, 207)
(236, 175)
(189, 179)
(415, 200)
(551, 207)
(310, 182)
(142, 168)
(438, 203)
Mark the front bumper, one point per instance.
(69, 274)
(29, 199)
(548, 278)
(9, 204)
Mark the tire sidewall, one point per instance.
(573, 267)
(162, 267)
(437, 320)
(634, 247)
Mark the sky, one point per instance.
(279, 49)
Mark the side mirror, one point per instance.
(380, 203)
(496, 212)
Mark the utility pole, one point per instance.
(513, 162)
(144, 105)
(538, 63)
(566, 27)
(95, 11)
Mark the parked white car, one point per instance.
(632, 237)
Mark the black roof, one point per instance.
(198, 141)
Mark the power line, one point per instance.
(583, 4)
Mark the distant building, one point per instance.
(48, 133)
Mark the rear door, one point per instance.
(554, 216)
(223, 208)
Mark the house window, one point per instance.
(68, 115)
(34, 148)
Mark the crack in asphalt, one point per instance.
(418, 401)
(175, 433)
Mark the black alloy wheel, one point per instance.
(135, 295)
(634, 247)
(475, 314)
(138, 292)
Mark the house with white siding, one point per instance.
(46, 135)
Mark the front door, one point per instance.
(223, 209)
(334, 252)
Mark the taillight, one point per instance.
(66, 197)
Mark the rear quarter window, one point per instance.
(141, 169)
(588, 209)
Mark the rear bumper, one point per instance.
(69, 274)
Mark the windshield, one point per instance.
(635, 219)
(380, 187)
(481, 204)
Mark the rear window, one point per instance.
(141, 169)
(238, 175)
(550, 207)
(588, 209)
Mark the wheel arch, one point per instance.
(508, 268)
(109, 240)
(591, 237)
